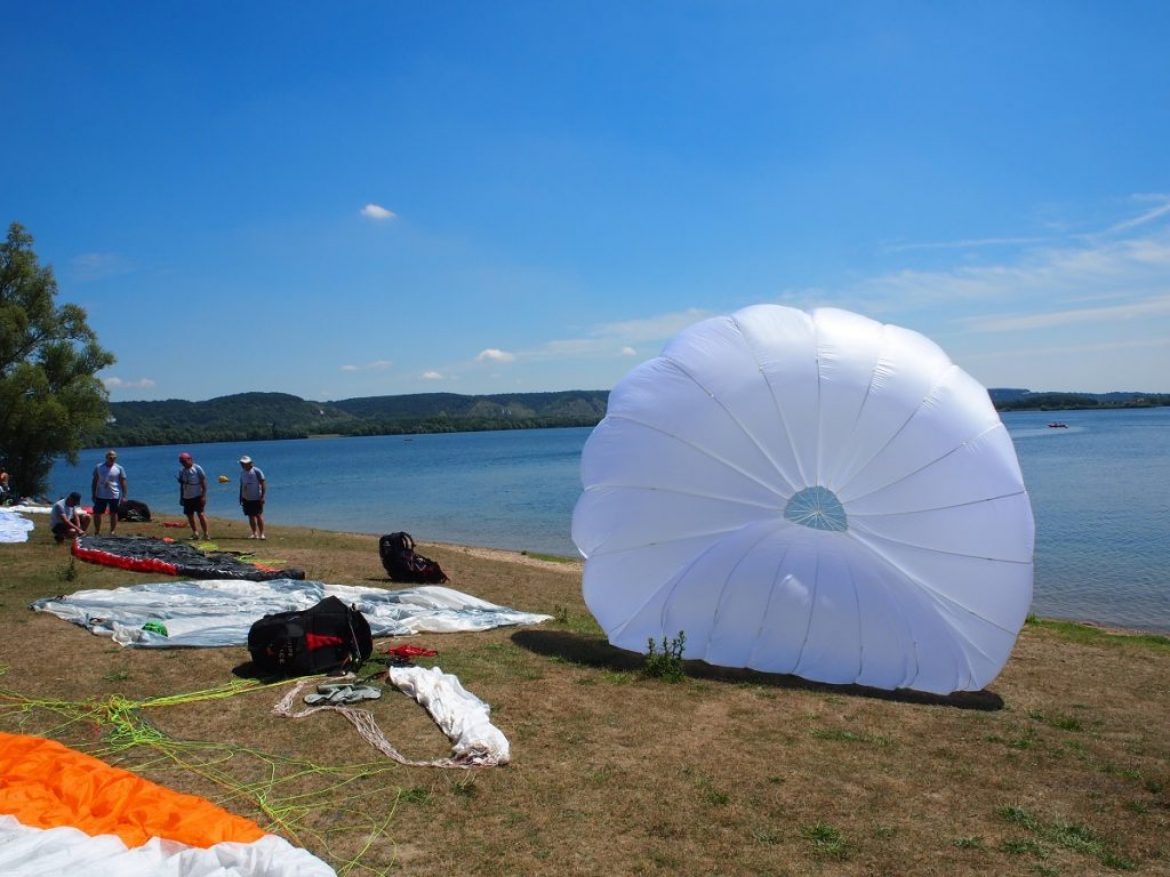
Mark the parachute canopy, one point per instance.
(817, 494)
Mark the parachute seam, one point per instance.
(907, 676)
(681, 492)
(888, 539)
(726, 581)
(943, 601)
(812, 608)
(700, 449)
(779, 412)
(670, 583)
(930, 395)
(865, 398)
(742, 428)
(767, 607)
(965, 443)
(686, 538)
(941, 508)
(857, 604)
(923, 586)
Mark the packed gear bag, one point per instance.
(325, 637)
(403, 565)
(133, 511)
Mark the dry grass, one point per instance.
(1059, 768)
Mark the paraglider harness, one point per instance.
(403, 565)
(325, 637)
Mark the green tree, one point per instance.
(49, 395)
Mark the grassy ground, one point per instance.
(1060, 767)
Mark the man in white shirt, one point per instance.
(109, 489)
(253, 488)
(193, 493)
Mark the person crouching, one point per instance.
(66, 520)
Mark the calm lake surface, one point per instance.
(1100, 492)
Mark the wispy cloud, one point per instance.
(1130, 311)
(376, 365)
(378, 213)
(965, 244)
(629, 351)
(493, 354)
(1161, 208)
(115, 383)
(432, 376)
(98, 266)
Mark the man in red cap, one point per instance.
(193, 493)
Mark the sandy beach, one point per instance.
(1058, 767)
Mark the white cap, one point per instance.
(245, 459)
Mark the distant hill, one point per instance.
(254, 416)
(1025, 400)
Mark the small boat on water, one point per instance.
(1056, 424)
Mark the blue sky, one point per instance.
(368, 198)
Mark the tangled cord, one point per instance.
(273, 791)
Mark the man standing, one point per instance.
(252, 490)
(193, 493)
(108, 487)
(65, 520)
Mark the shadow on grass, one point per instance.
(592, 651)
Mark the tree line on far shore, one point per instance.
(260, 416)
(52, 403)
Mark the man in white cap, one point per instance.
(253, 487)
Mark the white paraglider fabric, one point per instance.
(215, 612)
(817, 494)
(13, 527)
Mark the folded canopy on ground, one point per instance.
(817, 494)
(220, 613)
(65, 813)
(167, 557)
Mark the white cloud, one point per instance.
(378, 213)
(376, 365)
(114, 383)
(493, 354)
(432, 376)
(629, 351)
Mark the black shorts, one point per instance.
(100, 505)
(253, 507)
(193, 506)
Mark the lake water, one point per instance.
(1100, 492)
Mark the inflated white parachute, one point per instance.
(817, 494)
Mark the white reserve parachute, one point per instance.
(817, 494)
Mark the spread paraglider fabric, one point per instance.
(14, 527)
(167, 557)
(65, 813)
(817, 494)
(219, 613)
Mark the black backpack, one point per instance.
(326, 637)
(134, 511)
(403, 565)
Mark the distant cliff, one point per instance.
(254, 416)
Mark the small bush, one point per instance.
(665, 662)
